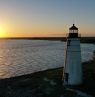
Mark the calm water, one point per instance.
(18, 57)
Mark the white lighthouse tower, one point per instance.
(73, 67)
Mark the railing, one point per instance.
(73, 35)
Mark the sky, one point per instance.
(46, 18)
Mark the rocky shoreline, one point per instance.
(48, 83)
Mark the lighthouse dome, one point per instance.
(73, 27)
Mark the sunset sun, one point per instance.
(2, 31)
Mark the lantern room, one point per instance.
(73, 32)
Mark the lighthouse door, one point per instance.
(66, 77)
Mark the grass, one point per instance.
(89, 77)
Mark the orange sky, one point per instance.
(46, 18)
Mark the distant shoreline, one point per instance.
(83, 39)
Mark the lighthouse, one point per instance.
(72, 62)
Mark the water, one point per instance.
(18, 57)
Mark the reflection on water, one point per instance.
(19, 57)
